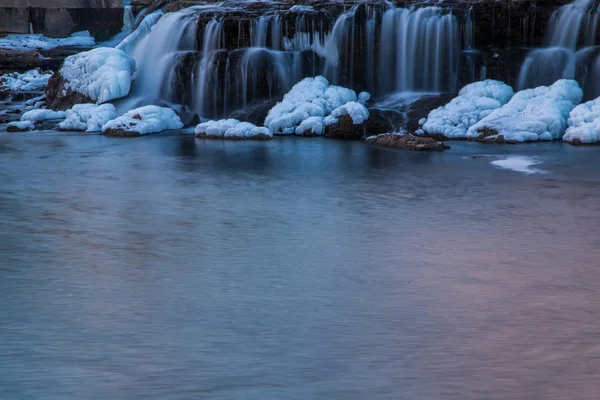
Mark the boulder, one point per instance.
(345, 129)
(407, 141)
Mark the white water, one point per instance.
(377, 48)
(569, 51)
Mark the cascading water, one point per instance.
(229, 56)
(570, 51)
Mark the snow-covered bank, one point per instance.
(28, 81)
(531, 115)
(232, 129)
(142, 121)
(474, 102)
(42, 115)
(41, 42)
(584, 123)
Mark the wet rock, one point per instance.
(120, 133)
(255, 113)
(19, 60)
(59, 98)
(188, 119)
(407, 142)
(345, 129)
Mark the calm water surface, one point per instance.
(171, 268)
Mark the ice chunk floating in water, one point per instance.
(519, 164)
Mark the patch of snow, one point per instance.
(88, 117)
(355, 110)
(41, 42)
(42, 115)
(145, 120)
(129, 43)
(519, 164)
(474, 102)
(363, 97)
(30, 80)
(231, 128)
(35, 100)
(584, 123)
(533, 114)
(311, 97)
(23, 125)
(102, 74)
(311, 125)
(301, 8)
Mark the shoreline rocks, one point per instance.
(406, 141)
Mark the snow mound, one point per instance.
(231, 129)
(42, 115)
(21, 126)
(474, 102)
(584, 123)
(311, 126)
(129, 43)
(88, 117)
(363, 97)
(145, 120)
(532, 114)
(355, 110)
(27, 81)
(102, 74)
(311, 97)
(37, 41)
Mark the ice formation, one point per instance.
(355, 110)
(145, 120)
(474, 102)
(518, 164)
(42, 115)
(129, 43)
(37, 41)
(88, 117)
(532, 114)
(311, 97)
(584, 123)
(232, 129)
(102, 74)
(27, 81)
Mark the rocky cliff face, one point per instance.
(60, 18)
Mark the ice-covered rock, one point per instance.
(20, 126)
(128, 44)
(355, 110)
(232, 129)
(88, 117)
(474, 102)
(311, 97)
(101, 74)
(42, 115)
(584, 123)
(28, 81)
(311, 126)
(37, 41)
(531, 115)
(142, 121)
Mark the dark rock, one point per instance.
(345, 129)
(120, 133)
(59, 98)
(255, 113)
(189, 119)
(19, 60)
(219, 137)
(487, 132)
(576, 142)
(408, 142)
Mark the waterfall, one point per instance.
(568, 51)
(215, 59)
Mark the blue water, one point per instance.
(167, 267)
